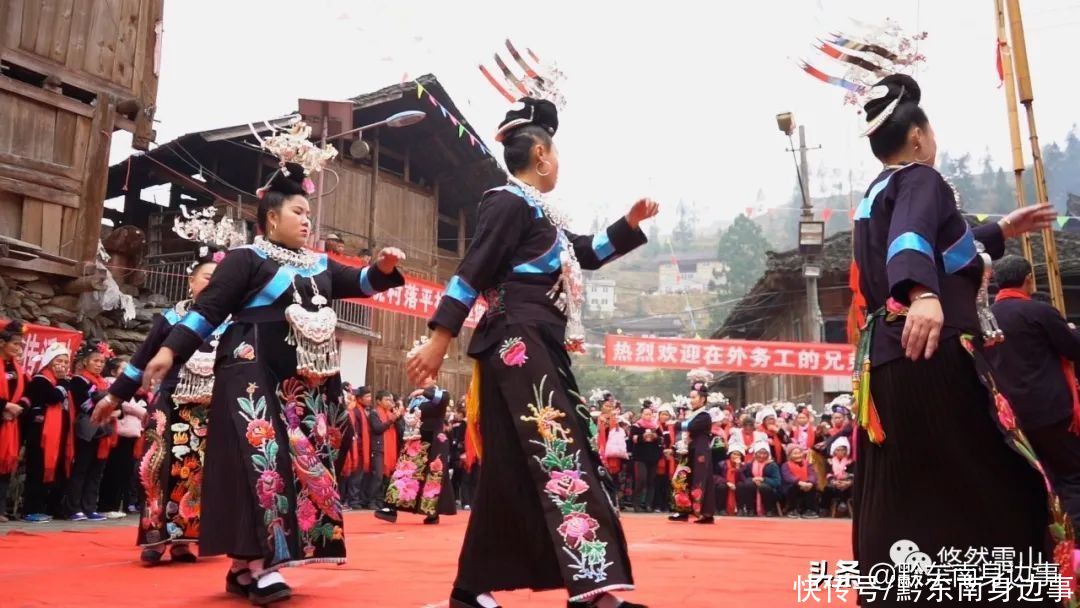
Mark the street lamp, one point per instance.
(401, 119)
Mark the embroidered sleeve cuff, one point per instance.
(450, 315)
(197, 324)
(373, 280)
(623, 238)
(125, 387)
(992, 238)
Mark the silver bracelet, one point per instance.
(926, 296)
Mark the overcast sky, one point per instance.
(667, 100)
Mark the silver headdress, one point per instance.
(868, 55)
(540, 80)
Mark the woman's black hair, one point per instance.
(91, 346)
(12, 329)
(113, 365)
(891, 136)
(280, 189)
(701, 388)
(519, 143)
(205, 255)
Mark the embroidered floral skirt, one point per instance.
(952, 473)
(693, 488)
(270, 487)
(542, 515)
(171, 472)
(421, 481)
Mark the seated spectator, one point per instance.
(841, 474)
(759, 492)
(747, 435)
(800, 484)
(727, 478)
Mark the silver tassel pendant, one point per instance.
(991, 332)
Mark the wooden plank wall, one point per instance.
(103, 45)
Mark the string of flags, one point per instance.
(828, 213)
(458, 123)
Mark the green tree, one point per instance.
(741, 249)
(683, 235)
(654, 247)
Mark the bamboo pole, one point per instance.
(1027, 98)
(1014, 118)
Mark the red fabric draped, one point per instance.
(52, 433)
(107, 443)
(774, 440)
(857, 311)
(799, 432)
(800, 471)
(1066, 365)
(9, 429)
(757, 469)
(390, 442)
(359, 457)
(732, 469)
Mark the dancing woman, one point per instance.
(421, 480)
(693, 487)
(175, 440)
(925, 403)
(270, 492)
(13, 402)
(565, 533)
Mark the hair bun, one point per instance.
(894, 86)
(529, 111)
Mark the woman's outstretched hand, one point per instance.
(1027, 219)
(157, 368)
(427, 360)
(642, 210)
(388, 259)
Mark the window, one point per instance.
(836, 331)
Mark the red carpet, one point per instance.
(737, 563)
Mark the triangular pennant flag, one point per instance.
(851, 215)
(1062, 220)
(826, 214)
(460, 130)
(454, 120)
(433, 102)
(981, 217)
(749, 211)
(404, 78)
(419, 90)
(472, 140)
(443, 109)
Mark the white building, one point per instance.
(600, 296)
(691, 276)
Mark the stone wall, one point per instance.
(61, 302)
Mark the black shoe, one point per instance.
(277, 592)
(704, 520)
(679, 517)
(233, 584)
(459, 598)
(184, 556)
(387, 514)
(150, 557)
(793, 515)
(593, 603)
(431, 520)
(810, 515)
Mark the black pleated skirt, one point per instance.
(944, 477)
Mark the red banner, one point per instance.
(39, 337)
(416, 298)
(789, 358)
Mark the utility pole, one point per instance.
(813, 309)
(1014, 117)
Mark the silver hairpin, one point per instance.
(880, 119)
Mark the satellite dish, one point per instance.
(359, 149)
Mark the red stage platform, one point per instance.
(736, 563)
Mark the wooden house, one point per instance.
(775, 309)
(71, 72)
(414, 187)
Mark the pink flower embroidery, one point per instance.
(578, 527)
(268, 487)
(244, 351)
(320, 426)
(696, 494)
(566, 483)
(431, 490)
(1004, 411)
(405, 468)
(513, 352)
(441, 436)
(306, 515)
(436, 466)
(412, 449)
(407, 488)
(682, 500)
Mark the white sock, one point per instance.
(266, 580)
(485, 600)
